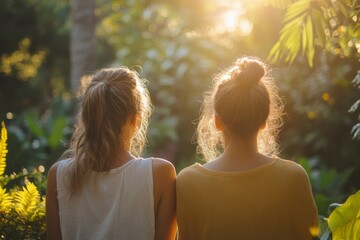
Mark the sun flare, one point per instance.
(232, 19)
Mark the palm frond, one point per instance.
(304, 22)
(279, 3)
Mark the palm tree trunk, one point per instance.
(82, 42)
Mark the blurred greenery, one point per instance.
(178, 46)
(327, 184)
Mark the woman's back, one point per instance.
(272, 201)
(121, 206)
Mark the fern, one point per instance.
(3, 148)
(22, 213)
(27, 201)
(5, 201)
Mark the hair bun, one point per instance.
(248, 71)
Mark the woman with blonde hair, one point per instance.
(243, 191)
(103, 190)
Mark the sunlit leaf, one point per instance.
(3, 148)
(291, 34)
(5, 200)
(292, 26)
(279, 3)
(344, 221)
(319, 25)
(342, 7)
(303, 38)
(309, 41)
(296, 9)
(275, 51)
(27, 200)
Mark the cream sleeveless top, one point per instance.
(121, 207)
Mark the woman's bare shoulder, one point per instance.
(163, 168)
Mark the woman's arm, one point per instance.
(52, 206)
(305, 215)
(164, 176)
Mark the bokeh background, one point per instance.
(178, 46)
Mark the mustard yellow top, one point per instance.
(273, 201)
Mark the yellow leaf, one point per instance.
(3, 148)
(344, 221)
(27, 200)
(5, 201)
(309, 41)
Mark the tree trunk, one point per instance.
(82, 42)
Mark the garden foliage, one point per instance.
(22, 210)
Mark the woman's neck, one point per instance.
(239, 155)
(124, 157)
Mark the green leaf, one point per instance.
(322, 203)
(343, 8)
(296, 9)
(319, 25)
(32, 121)
(274, 52)
(291, 34)
(306, 165)
(327, 178)
(57, 132)
(344, 221)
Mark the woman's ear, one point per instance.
(218, 123)
(136, 121)
(133, 120)
(263, 125)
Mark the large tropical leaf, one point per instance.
(3, 148)
(344, 221)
